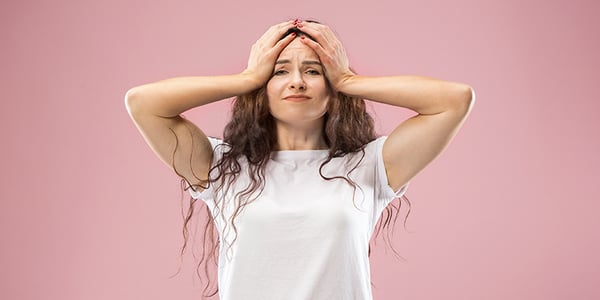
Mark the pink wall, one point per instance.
(508, 211)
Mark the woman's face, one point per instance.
(298, 71)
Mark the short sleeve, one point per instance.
(217, 146)
(385, 193)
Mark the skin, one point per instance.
(299, 123)
(441, 106)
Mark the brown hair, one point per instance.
(250, 135)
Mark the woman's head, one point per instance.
(298, 92)
(344, 121)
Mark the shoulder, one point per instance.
(215, 141)
(369, 154)
(218, 145)
(375, 146)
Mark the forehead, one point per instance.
(297, 49)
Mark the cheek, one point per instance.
(273, 88)
(325, 107)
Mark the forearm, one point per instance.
(170, 97)
(421, 94)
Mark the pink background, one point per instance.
(508, 211)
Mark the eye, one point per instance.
(279, 72)
(314, 72)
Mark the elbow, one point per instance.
(465, 98)
(132, 100)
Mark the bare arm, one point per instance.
(155, 108)
(442, 106)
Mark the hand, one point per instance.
(265, 51)
(330, 52)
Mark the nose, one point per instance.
(296, 81)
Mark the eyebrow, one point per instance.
(306, 62)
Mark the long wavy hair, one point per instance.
(251, 136)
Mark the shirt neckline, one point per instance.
(298, 154)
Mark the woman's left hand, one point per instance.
(330, 52)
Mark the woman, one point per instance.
(297, 184)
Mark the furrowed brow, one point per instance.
(306, 62)
(311, 62)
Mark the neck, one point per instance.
(300, 137)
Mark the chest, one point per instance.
(298, 200)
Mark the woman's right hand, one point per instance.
(265, 51)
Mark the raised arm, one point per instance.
(442, 106)
(155, 108)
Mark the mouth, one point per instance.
(297, 98)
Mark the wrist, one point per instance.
(345, 83)
(249, 81)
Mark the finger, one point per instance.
(274, 33)
(276, 28)
(319, 50)
(321, 33)
(284, 42)
(287, 24)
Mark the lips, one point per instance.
(297, 98)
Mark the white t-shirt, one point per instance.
(303, 238)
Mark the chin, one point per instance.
(298, 120)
